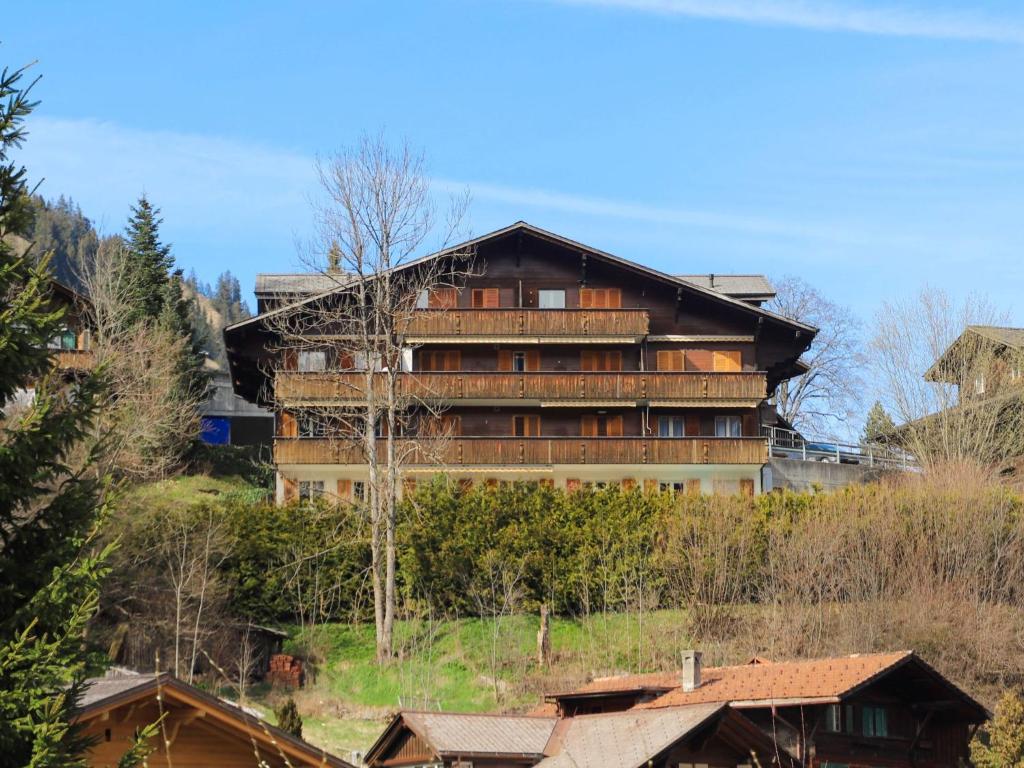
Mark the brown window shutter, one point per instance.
(613, 361)
(465, 484)
(747, 487)
(588, 360)
(546, 482)
(442, 298)
(699, 360)
(614, 426)
(504, 359)
(486, 298)
(692, 425)
(749, 425)
(453, 360)
(727, 360)
(291, 489)
(408, 486)
(572, 484)
(670, 359)
(588, 426)
(628, 483)
(452, 424)
(586, 298)
(287, 426)
(289, 360)
(533, 359)
(693, 486)
(533, 426)
(614, 300)
(346, 361)
(345, 489)
(650, 485)
(491, 482)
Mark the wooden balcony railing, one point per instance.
(75, 359)
(509, 451)
(529, 322)
(342, 387)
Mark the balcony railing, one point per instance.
(75, 359)
(668, 386)
(510, 451)
(529, 322)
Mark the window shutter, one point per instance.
(614, 300)
(291, 489)
(486, 298)
(670, 359)
(491, 482)
(693, 486)
(546, 482)
(588, 360)
(408, 486)
(613, 361)
(614, 426)
(533, 359)
(442, 298)
(650, 485)
(572, 484)
(692, 425)
(749, 424)
(504, 360)
(588, 426)
(345, 489)
(453, 360)
(287, 426)
(628, 483)
(699, 360)
(289, 360)
(586, 298)
(747, 486)
(727, 360)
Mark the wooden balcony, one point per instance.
(683, 388)
(74, 359)
(536, 451)
(467, 325)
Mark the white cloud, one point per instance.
(901, 21)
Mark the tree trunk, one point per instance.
(544, 638)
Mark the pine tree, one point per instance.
(1002, 745)
(49, 575)
(288, 718)
(877, 426)
(176, 315)
(150, 259)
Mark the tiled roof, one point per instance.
(813, 679)
(451, 733)
(623, 739)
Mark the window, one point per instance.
(437, 298)
(66, 339)
(833, 718)
(674, 487)
(597, 360)
(311, 425)
(728, 426)
(526, 426)
(310, 489)
(551, 299)
(600, 298)
(312, 360)
(671, 426)
(874, 722)
(601, 426)
(979, 385)
(359, 490)
(486, 298)
(509, 360)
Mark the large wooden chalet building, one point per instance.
(556, 363)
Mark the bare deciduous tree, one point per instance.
(942, 383)
(374, 220)
(830, 391)
(147, 420)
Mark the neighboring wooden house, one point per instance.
(888, 710)
(196, 730)
(704, 734)
(556, 363)
(984, 362)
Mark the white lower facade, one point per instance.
(348, 481)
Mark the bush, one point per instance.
(288, 718)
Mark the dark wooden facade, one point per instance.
(554, 355)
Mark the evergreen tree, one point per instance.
(176, 315)
(288, 718)
(49, 576)
(878, 425)
(1002, 745)
(150, 259)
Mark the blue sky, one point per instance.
(870, 147)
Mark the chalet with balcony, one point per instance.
(554, 362)
(888, 709)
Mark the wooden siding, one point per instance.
(74, 359)
(529, 322)
(545, 386)
(483, 451)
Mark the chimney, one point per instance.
(691, 670)
(711, 279)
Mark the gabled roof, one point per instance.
(102, 694)
(815, 681)
(749, 287)
(623, 739)
(1010, 337)
(451, 734)
(1000, 336)
(297, 283)
(522, 226)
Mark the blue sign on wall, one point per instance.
(216, 430)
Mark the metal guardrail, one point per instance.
(788, 444)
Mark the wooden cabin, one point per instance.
(553, 361)
(196, 729)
